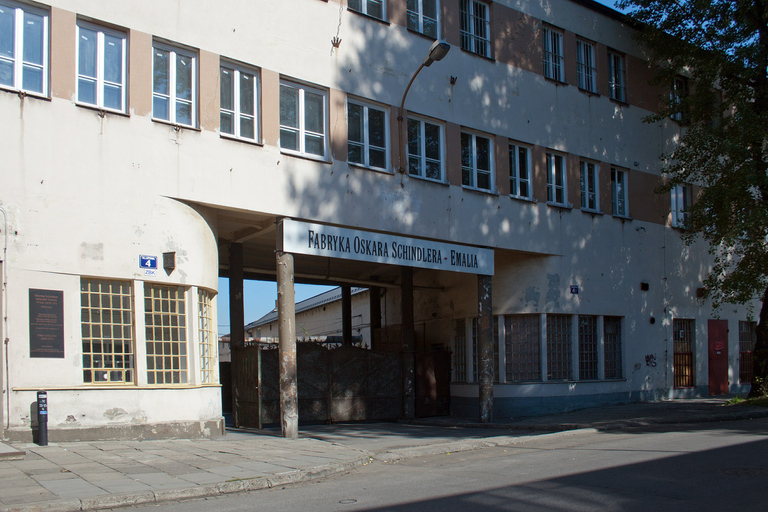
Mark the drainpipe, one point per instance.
(4, 357)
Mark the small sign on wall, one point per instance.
(149, 264)
(574, 290)
(46, 323)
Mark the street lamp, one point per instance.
(437, 51)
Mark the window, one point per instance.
(589, 195)
(106, 312)
(681, 201)
(373, 8)
(747, 338)
(475, 27)
(423, 16)
(23, 48)
(523, 348)
(553, 54)
(476, 161)
(367, 129)
(475, 352)
(677, 95)
(682, 363)
(520, 172)
(239, 102)
(585, 65)
(174, 85)
(302, 119)
(588, 343)
(459, 354)
(612, 347)
(425, 153)
(101, 67)
(619, 193)
(206, 335)
(558, 347)
(556, 182)
(166, 334)
(617, 77)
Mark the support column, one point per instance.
(374, 301)
(286, 319)
(485, 348)
(346, 315)
(236, 321)
(409, 342)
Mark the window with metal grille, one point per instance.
(523, 348)
(612, 347)
(106, 312)
(559, 347)
(475, 354)
(747, 338)
(459, 373)
(588, 342)
(166, 334)
(553, 54)
(475, 27)
(683, 341)
(585, 65)
(206, 336)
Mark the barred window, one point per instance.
(747, 338)
(475, 353)
(107, 331)
(612, 337)
(683, 341)
(459, 373)
(559, 347)
(475, 27)
(207, 336)
(588, 342)
(523, 348)
(166, 334)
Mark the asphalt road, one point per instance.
(717, 466)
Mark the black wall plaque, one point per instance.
(46, 323)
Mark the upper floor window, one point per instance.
(520, 171)
(303, 118)
(423, 17)
(553, 54)
(619, 204)
(476, 161)
(425, 151)
(585, 65)
(239, 101)
(375, 8)
(677, 94)
(367, 132)
(174, 85)
(681, 201)
(589, 190)
(23, 48)
(617, 76)
(101, 67)
(556, 180)
(475, 27)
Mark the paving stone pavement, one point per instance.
(66, 477)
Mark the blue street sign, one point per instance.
(149, 262)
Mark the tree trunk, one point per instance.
(760, 353)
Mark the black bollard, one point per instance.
(42, 418)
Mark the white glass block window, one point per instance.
(174, 85)
(553, 54)
(619, 195)
(589, 187)
(23, 48)
(368, 133)
(375, 8)
(239, 102)
(617, 76)
(206, 336)
(425, 151)
(556, 180)
(520, 171)
(102, 64)
(680, 202)
(475, 27)
(585, 65)
(303, 119)
(476, 161)
(423, 17)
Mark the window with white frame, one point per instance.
(476, 161)
(425, 152)
(522, 347)
(23, 48)
(553, 54)
(303, 119)
(556, 180)
(367, 131)
(589, 187)
(165, 325)
(520, 171)
(206, 336)
(239, 101)
(375, 8)
(459, 354)
(619, 204)
(585, 65)
(101, 67)
(559, 353)
(424, 16)
(588, 344)
(617, 76)
(681, 201)
(612, 347)
(677, 94)
(475, 27)
(174, 85)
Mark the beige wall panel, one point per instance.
(517, 39)
(539, 171)
(601, 63)
(604, 180)
(501, 145)
(451, 23)
(397, 157)
(569, 58)
(640, 92)
(453, 153)
(397, 13)
(573, 177)
(270, 107)
(338, 118)
(209, 91)
(63, 53)
(140, 72)
(644, 203)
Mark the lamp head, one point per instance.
(437, 51)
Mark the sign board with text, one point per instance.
(46, 323)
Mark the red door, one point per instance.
(718, 356)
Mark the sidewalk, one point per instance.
(95, 475)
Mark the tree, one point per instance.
(721, 48)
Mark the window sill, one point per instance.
(593, 212)
(23, 94)
(366, 168)
(306, 156)
(560, 206)
(176, 126)
(556, 82)
(523, 198)
(428, 180)
(622, 218)
(480, 190)
(619, 102)
(253, 142)
(422, 34)
(474, 54)
(380, 20)
(102, 111)
(589, 93)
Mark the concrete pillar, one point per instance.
(374, 301)
(409, 343)
(485, 348)
(236, 320)
(346, 315)
(286, 318)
